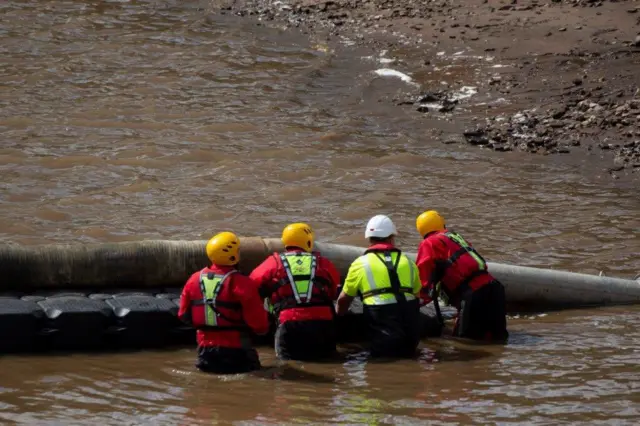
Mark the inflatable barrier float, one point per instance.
(108, 296)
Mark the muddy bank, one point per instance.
(571, 86)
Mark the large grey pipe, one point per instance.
(534, 289)
(160, 264)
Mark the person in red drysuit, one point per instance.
(224, 307)
(301, 285)
(445, 258)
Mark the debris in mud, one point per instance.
(560, 127)
(337, 14)
(476, 137)
(439, 100)
(480, 29)
(436, 101)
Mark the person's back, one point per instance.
(389, 284)
(458, 265)
(445, 257)
(224, 307)
(300, 285)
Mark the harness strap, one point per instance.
(392, 269)
(390, 250)
(379, 291)
(434, 293)
(289, 302)
(236, 306)
(464, 285)
(213, 303)
(443, 266)
(455, 256)
(464, 248)
(216, 291)
(320, 282)
(292, 278)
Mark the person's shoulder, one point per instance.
(239, 279)
(241, 284)
(195, 277)
(271, 261)
(361, 257)
(357, 263)
(431, 240)
(323, 259)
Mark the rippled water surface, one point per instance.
(580, 368)
(126, 120)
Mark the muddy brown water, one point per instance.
(127, 120)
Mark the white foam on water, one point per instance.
(497, 101)
(464, 92)
(381, 58)
(384, 60)
(388, 72)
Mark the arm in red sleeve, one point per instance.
(264, 276)
(426, 262)
(184, 313)
(253, 312)
(334, 277)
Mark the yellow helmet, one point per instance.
(298, 235)
(429, 222)
(224, 249)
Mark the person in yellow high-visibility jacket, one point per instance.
(389, 284)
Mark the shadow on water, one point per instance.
(289, 373)
(516, 338)
(524, 339)
(359, 354)
(354, 354)
(286, 371)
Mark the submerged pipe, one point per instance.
(140, 264)
(156, 264)
(532, 289)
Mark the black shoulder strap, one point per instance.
(392, 270)
(389, 250)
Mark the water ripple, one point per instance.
(126, 120)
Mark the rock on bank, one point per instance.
(564, 54)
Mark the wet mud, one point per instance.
(557, 77)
